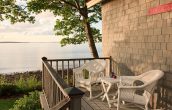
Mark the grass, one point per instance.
(13, 86)
(6, 104)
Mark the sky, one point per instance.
(40, 31)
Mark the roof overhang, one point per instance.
(90, 3)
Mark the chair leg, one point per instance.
(146, 107)
(91, 95)
(118, 104)
(118, 101)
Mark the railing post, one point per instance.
(110, 65)
(44, 58)
(75, 97)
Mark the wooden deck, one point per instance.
(57, 77)
(98, 104)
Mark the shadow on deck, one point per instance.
(98, 104)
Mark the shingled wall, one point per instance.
(137, 41)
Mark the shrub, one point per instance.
(29, 84)
(21, 83)
(2, 79)
(8, 90)
(30, 102)
(20, 86)
(33, 83)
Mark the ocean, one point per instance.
(21, 57)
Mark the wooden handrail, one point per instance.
(56, 93)
(56, 77)
(55, 96)
(73, 59)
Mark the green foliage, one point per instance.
(74, 19)
(30, 102)
(21, 83)
(20, 86)
(73, 16)
(33, 83)
(7, 90)
(6, 104)
(2, 79)
(13, 12)
(29, 84)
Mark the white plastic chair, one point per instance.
(95, 69)
(129, 92)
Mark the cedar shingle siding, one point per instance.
(137, 41)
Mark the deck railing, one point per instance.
(65, 66)
(58, 83)
(53, 89)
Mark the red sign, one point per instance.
(160, 9)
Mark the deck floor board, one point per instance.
(98, 104)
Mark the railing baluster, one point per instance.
(73, 73)
(84, 61)
(79, 63)
(49, 89)
(51, 63)
(43, 72)
(51, 92)
(61, 96)
(57, 66)
(62, 69)
(68, 72)
(110, 66)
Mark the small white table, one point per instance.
(109, 82)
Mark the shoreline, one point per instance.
(21, 72)
(29, 42)
(10, 78)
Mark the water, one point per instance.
(20, 57)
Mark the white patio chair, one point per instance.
(128, 91)
(95, 70)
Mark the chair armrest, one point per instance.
(129, 77)
(131, 87)
(120, 86)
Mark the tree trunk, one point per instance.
(89, 34)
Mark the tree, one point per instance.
(74, 22)
(15, 13)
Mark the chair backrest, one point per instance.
(96, 65)
(151, 76)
